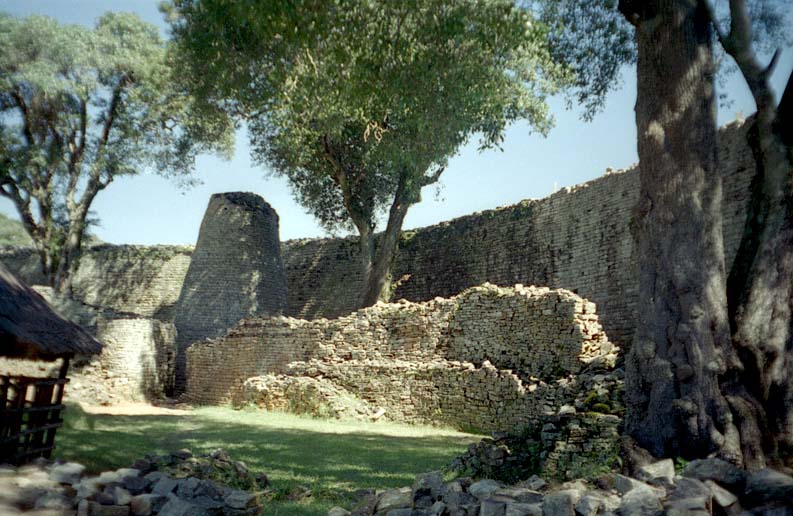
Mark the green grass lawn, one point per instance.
(332, 458)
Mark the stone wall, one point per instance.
(125, 296)
(138, 357)
(128, 280)
(578, 239)
(489, 358)
(136, 363)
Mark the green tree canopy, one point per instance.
(360, 104)
(80, 107)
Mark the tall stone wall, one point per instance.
(578, 239)
(128, 280)
(488, 358)
(236, 271)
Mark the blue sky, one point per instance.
(148, 209)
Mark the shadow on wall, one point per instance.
(325, 277)
(144, 281)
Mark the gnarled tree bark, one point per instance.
(682, 343)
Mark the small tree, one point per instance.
(360, 104)
(79, 108)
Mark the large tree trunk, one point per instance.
(682, 342)
(760, 286)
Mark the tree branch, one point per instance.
(433, 178)
(784, 112)
(23, 108)
(361, 220)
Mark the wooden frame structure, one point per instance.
(30, 413)
(31, 407)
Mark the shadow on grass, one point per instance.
(331, 464)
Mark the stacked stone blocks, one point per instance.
(490, 358)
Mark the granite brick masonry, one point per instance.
(705, 487)
(578, 239)
(490, 358)
(235, 271)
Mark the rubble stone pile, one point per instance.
(177, 484)
(704, 487)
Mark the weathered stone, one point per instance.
(720, 495)
(117, 476)
(534, 483)
(121, 496)
(53, 501)
(87, 487)
(395, 499)
(146, 504)
(718, 470)
(135, 485)
(641, 500)
(240, 499)
(338, 511)
(205, 502)
(96, 509)
(155, 476)
(523, 509)
(561, 503)
(105, 498)
(698, 506)
(67, 473)
(492, 507)
(624, 484)
(164, 486)
(142, 465)
(519, 494)
(769, 485)
(186, 487)
(438, 508)
(689, 488)
(484, 488)
(422, 502)
(429, 484)
(588, 505)
(658, 473)
(209, 488)
(176, 506)
(399, 512)
(182, 454)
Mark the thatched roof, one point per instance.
(29, 328)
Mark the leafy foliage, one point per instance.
(382, 90)
(593, 40)
(80, 107)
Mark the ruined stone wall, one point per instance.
(489, 358)
(125, 296)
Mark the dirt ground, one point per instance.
(129, 408)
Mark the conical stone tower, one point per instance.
(235, 272)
